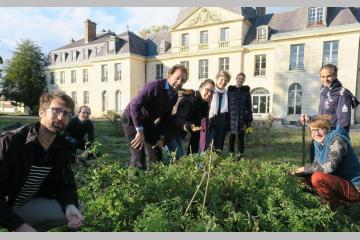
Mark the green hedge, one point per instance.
(241, 196)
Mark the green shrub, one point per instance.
(241, 196)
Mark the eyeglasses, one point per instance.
(209, 90)
(317, 130)
(60, 112)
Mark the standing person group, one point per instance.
(163, 113)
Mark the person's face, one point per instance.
(177, 80)
(206, 92)
(84, 114)
(326, 77)
(221, 82)
(56, 116)
(240, 80)
(318, 134)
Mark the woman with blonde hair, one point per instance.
(335, 172)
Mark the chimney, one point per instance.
(90, 30)
(260, 11)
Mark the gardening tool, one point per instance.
(303, 140)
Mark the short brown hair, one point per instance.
(80, 108)
(46, 98)
(224, 73)
(206, 81)
(320, 121)
(176, 67)
(241, 74)
(333, 68)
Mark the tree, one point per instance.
(153, 29)
(24, 79)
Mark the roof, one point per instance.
(296, 20)
(129, 43)
(185, 12)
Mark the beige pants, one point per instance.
(42, 214)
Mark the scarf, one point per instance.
(215, 102)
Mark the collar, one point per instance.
(33, 133)
(167, 86)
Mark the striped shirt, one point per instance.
(32, 184)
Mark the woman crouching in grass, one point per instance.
(335, 172)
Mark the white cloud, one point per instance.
(141, 17)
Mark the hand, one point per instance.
(195, 128)
(304, 116)
(74, 217)
(25, 228)
(298, 171)
(159, 143)
(138, 141)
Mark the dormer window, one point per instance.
(112, 44)
(74, 55)
(161, 47)
(316, 15)
(262, 33)
(86, 53)
(53, 57)
(63, 57)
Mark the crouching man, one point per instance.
(37, 185)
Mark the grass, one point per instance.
(280, 145)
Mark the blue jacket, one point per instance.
(337, 101)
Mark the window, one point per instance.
(97, 50)
(73, 76)
(52, 78)
(104, 101)
(260, 65)
(62, 77)
(85, 53)
(330, 52)
(297, 57)
(74, 55)
(203, 68)
(104, 73)
(186, 65)
(224, 34)
(204, 37)
(185, 42)
(117, 73)
(159, 71)
(112, 46)
(117, 101)
(294, 99)
(63, 57)
(316, 15)
(85, 75)
(86, 98)
(260, 101)
(74, 97)
(262, 33)
(223, 63)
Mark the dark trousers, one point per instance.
(241, 143)
(138, 156)
(217, 137)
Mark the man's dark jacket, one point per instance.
(19, 149)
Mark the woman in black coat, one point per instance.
(240, 111)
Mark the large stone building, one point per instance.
(280, 54)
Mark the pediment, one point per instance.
(207, 16)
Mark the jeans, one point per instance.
(175, 145)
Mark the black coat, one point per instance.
(19, 149)
(240, 108)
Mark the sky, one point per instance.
(54, 27)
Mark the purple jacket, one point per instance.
(151, 103)
(337, 101)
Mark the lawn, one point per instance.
(254, 195)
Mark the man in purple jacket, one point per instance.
(152, 104)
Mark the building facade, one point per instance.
(281, 55)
